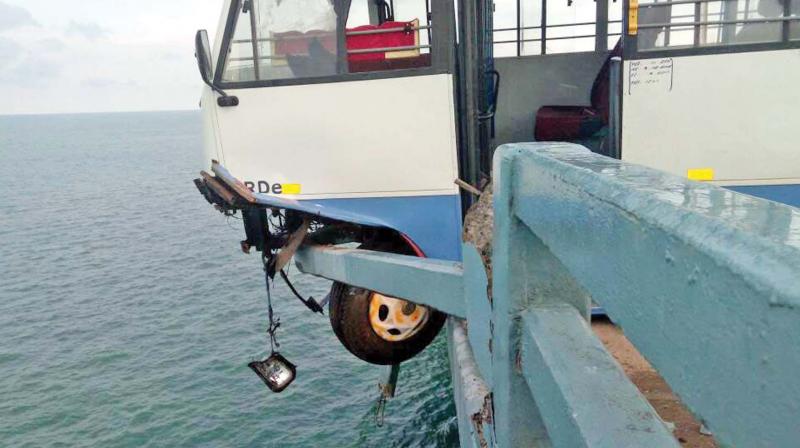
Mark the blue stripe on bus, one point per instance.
(785, 194)
(432, 222)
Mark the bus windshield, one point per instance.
(301, 39)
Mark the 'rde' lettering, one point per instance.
(264, 187)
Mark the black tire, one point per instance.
(349, 313)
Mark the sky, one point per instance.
(67, 56)
(73, 56)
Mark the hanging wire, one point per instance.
(274, 323)
(228, 222)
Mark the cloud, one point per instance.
(85, 56)
(87, 30)
(49, 45)
(33, 64)
(31, 72)
(9, 51)
(14, 17)
(107, 83)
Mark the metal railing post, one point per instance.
(517, 420)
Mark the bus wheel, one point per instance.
(380, 329)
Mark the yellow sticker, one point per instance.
(700, 174)
(291, 188)
(633, 17)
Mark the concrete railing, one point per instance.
(705, 283)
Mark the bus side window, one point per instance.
(388, 36)
(710, 23)
(794, 26)
(760, 32)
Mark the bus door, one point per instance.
(337, 99)
(478, 90)
(710, 91)
(554, 59)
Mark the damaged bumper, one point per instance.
(227, 193)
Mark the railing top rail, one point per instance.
(742, 226)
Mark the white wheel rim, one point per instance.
(396, 320)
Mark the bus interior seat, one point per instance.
(383, 60)
(578, 123)
(312, 53)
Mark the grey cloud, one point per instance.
(49, 45)
(24, 66)
(31, 72)
(9, 51)
(14, 17)
(88, 30)
(31, 65)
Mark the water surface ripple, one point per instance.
(128, 315)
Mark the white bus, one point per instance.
(363, 113)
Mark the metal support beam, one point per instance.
(544, 28)
(434, 283)
(614, 138)
(601, 26)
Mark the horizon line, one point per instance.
(141, 111)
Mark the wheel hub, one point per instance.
(396, 320)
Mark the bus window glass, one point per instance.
(759, 32)
(570, 26)
(710, 23)
(531, 17)
(614, 22)
(555, 26)
(297, 39)
(654, 33)
(276, 39)
(388, 35)
(505, 29)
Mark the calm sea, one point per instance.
(128, 314)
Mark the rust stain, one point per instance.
(484, 417)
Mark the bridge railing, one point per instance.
(705, 282)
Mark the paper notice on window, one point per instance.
(650, 76)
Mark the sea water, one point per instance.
(128, 313)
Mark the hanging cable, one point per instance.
(274, 323)
(310, 303)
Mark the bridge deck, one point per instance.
(668, 406)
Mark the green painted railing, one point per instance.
(705, 282)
